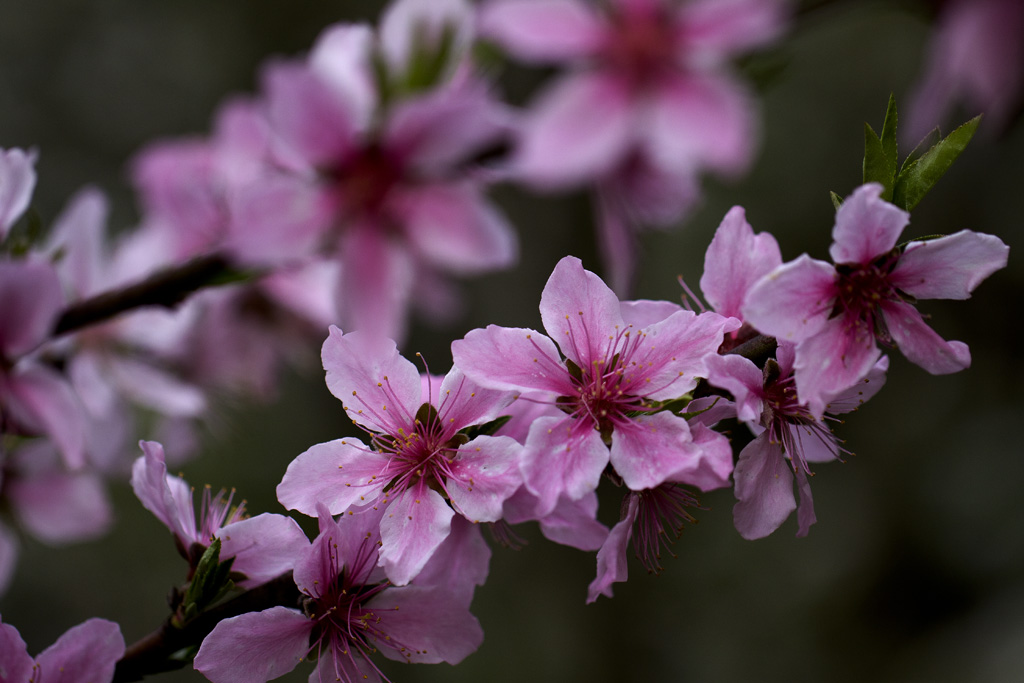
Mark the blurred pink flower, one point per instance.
(17, 180)
(87, 652)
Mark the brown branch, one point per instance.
(155, 652)
(166, 288)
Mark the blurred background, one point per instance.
(915, 570)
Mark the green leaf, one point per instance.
(889, 146)
(486, 429)
(210, 582)
(837, 201)
(917, 179)
(926, 143)
(876, 166)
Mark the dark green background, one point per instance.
(915, 571)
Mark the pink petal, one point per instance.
(47, 402)
(794, 301)
(444, 128)
(309, 115)
(764, 488)
(17, 180)
(650, 449)
(167, 497)
(644, 313)
(617, 239)
(8, 563)
(342, 58)
(579, 129)
(833, 360)
(376, 281)
(254, 647)
(580, 313)
(339, 474)
(949, 267)
(744, 380)
(512, 358)
(453, 227)
(264, 546)
(805, 516)
(721, 28)
(562, 457)
(866, 226)
(460, 563)
(30, 300)
(150, 386)
(432, 626)
(79, 233)
(574, 523)
(278, 220)
(920, 343)
(15, 662)
(697, 121)
(612, 565)
(484, 475)
(673, 354)
(735, 260)
(416, 522)
(86, 652)
(57, 507)
(366, 372)
(543, 30)
(854, 397)
(461, 402)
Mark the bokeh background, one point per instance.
(915, 571)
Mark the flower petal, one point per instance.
(581, 313)
(484, 475)
(579, 129)
(920, 343)
(17, 180)
(612, 565)
(833, 360)
(764, 487)
(647, 450)
(740, 377)
(416, 522)
(562, 457)
(949, 267)
(432, 626)
(794, 301)
(866, 227)
(44, 399)
(264, 546)
(376, 283)
(31, 299)
(57, 507)
(734, 261)
(86, 652)
(543, 30)
(512, 358)
(340, 474)
(254, 647)
(369, 376)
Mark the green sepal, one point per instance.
(427, 414)
(837, 201)
(428, 61)
(24, 235)
(486, 429)
(574, 370)
(210, 582)
(880, 153)
(673, 406)
(688, 416)
(919, 177)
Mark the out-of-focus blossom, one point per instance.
(351, 611)
(621, 361)
(263, 547)
(86, 652)
(47, 502)
(17, 181)
(786, 431)
(382, 180)
(419, 461)
(975, 59)
(649, 102)
(835, 314)
(35, 399)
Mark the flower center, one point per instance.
(643, 46)
(860, 290)
(365, 180)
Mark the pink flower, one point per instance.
(786, 431)
(648, 75)
(47, 502)
(35, 399)
(417, 461)
(264, 546)
(835, 314)
(975, 57)
(17, 180)
(385, 182)
(621, 360)
(350, 611)
(87, 652)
